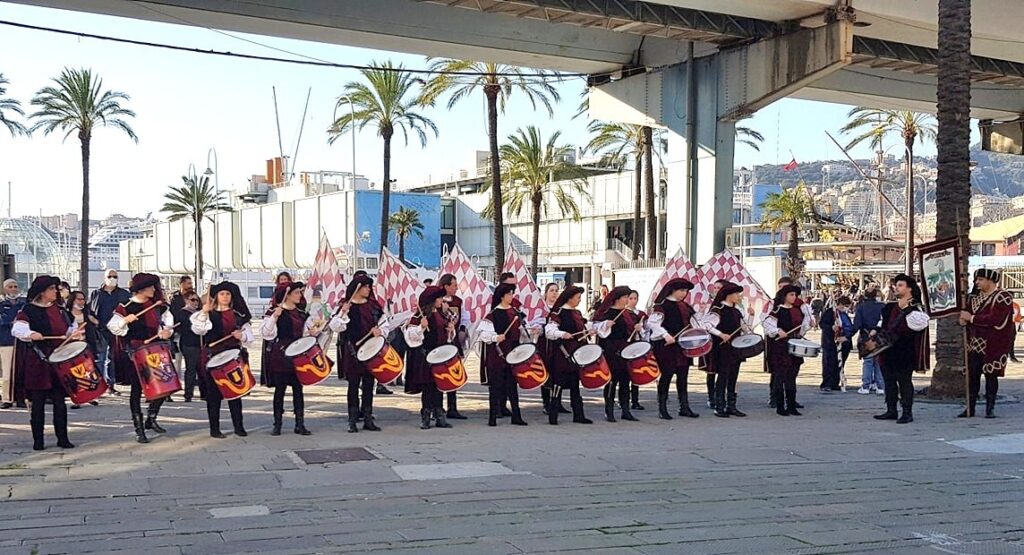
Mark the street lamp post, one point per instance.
(216, 185)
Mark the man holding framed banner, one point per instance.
(902, 348)
(990, 333)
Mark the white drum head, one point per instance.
(442, 353)
(694, 338)
(223, 357)
(804, 343)
(746, 341)
(370, 348)
(299, 346)
(635, 350)
(587, 354)
(520, 353)
(67, 351)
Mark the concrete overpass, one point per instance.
(693, 67)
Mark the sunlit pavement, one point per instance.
(831, 481)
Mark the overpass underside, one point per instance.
(692, 67)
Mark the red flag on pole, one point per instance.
(790, 166)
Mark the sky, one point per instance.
(188, 103)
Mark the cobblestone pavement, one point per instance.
(832, 481)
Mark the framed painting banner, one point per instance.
(939, 264)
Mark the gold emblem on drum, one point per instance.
(599, 373)
(537, 372)
(79, 371)
(318, 366)
(237, 381)
(154, 360)
(391, 362)
(456, 374)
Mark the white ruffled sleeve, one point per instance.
(917, 320)
(201, 323)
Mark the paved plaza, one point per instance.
(832, 481)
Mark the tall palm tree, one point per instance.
(650, 245)
(406, 222)
(498, 82)
(196, 200)
(750, 137)
(12, 106)
(536, 172)
(873, 125)
(78, 104)
(389, 102)
(953, 186)
(621, 142)
(788, 210)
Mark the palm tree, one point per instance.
(388, 102)
(78, 104)
(537, 172)
(406, 222)
(13, 106)
(788, 210)
(750, 137)
(953, 186)
(498, 82)
(196, 200)
(622, 141)
(873, 124)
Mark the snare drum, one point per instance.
(748, 346)
(695, 343)
(593, 368)
(643, 367)
(527, 366)
(231, 374)
(882, 343)
(155, 366)
(803, 348)
(77, 372)
(447, 368)
(381, 359)
(308, 358)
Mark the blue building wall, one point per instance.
(759, 193)
(424, 252)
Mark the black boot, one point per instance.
(663, 407)
(990, 406)
(720, 406)
(213, 415)
(576, 402)
(140, 428)
(545, 398)
(684, 406)
(907, 416)
(609, 402)
(151, 414)
(778, 401)
(38, 426)
(494, 406)
(968, 412)
(382, 390)
(513, 400)
(368, 424)
(60, 425)
(558, 403)
(440, 420)
(791, 403)
(731, 407)
(453, 407)
(634, 398)
(424, 419)
(889, 414)
(236, 418)
(278, 407)
(215, 430)
(353, 420)
(300, 425)
(624, 403)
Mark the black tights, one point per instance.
(665, 381)
(430, 397)
(368, 386)
(213, 401)
(38, 415)
(298, 400)
(135, 401)
(623, 388)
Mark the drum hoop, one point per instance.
(372, 346)
(293, 348)
(799, 342)
(449, 350)
(223, 357)
(529, 348)
(625, 353)
(81, 346)
(582, 351)
(739, 342)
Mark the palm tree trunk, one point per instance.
(793, 251)
(952, 189)
(652, 216)
(535, 239)
(83, 268)
(909, 241)
(637, 189)
(199, 254)
(491, 92)
(401, 247)
(385, 201)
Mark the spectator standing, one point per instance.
(865, 320)
(102, 303)
(10, 304)
(836, 334)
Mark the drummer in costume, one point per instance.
(566, 330)
(640, 318)
(430, 328)
(786, 321)
(510, 279)
(905, 325)
(225, 314)
(281, 279)
(615, 323)
(990, 328)
(547, 350)
(132, 332)
(40, 327)
(282, 325)
(460, 316)
(725, 322)
(808, 314)
(358, 321)
(670, 316)
(500, 332)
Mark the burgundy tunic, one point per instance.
(361, 319)
(991, 333)
(909, 349)
(617, 340)
(498, 372)
(417, 371)
(779, 359)
(139, 331)
(291, 325)
(676, 318)
(569, 321)
(38, 373)
(224, 323)
(724, 356)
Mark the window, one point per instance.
(448, 215)
(988, 249)
(265, 291)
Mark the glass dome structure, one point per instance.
(35, 250)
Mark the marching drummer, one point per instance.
(615, 323)
(429, 329)
(358, 321)
(41, 326)
(500, 332)
(566, 330)
(460, 316)
(537, 325)
(639, 321)
(142, 319)
(670, 316)
(725, 322)
(224, 324)
(786, 321)
(283, 324)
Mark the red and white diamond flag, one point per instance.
(679, 266)
(472, 288)
(725, 265)
(526, 288)
(396, 287)
(326, 276)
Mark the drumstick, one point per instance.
(219, 341)
(676, 336)
(789, 332)
(512, 323)
(147, 309)
(151, 339)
